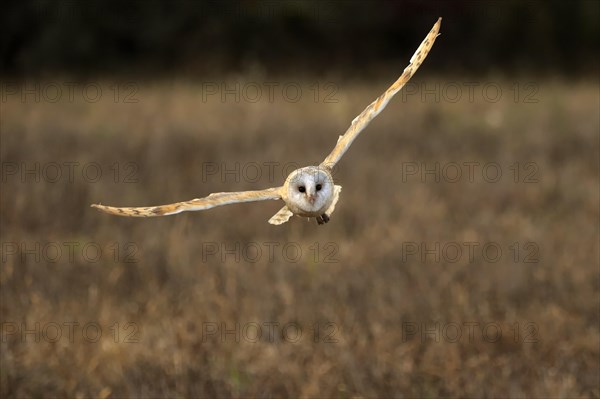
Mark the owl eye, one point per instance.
(318, 187)
(302, 189)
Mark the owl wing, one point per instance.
(198, 204)
(362, 120)
(336, 196)
(282, 216)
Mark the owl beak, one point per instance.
(311, 199)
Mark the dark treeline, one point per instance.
(185, 36)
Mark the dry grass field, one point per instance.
(461, 261)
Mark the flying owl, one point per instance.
(309, 191)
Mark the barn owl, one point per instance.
(309, 191)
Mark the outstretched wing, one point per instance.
(362, 120)
(198, 204)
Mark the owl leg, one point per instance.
(322, 219)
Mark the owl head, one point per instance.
(309, 190)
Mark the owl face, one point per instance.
(309, 191)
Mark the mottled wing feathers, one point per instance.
(198, 204)
(362, 120)
(282, 216)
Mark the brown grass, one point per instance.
(366, 298)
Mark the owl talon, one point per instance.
(322, 219)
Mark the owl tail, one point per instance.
(282, 216)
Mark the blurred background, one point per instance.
(462, 258)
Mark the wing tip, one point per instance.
(437, 26)
(282, 216)
(277, 222)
